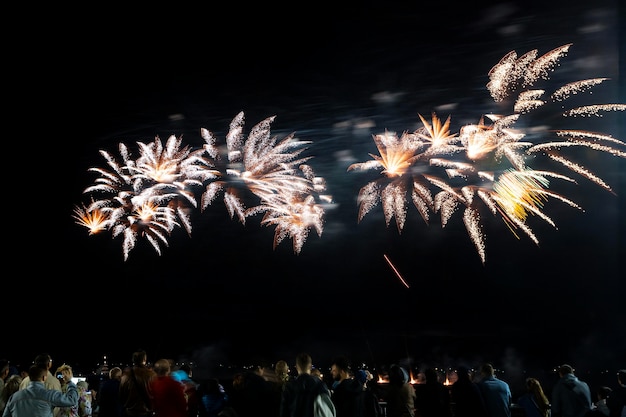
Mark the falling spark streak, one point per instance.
(396, 271)
(590, 135)
(594, 110)
(575, 88)
(528, 100)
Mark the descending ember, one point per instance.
(402, 280)
(575, 88)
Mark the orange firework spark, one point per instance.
(396, 271)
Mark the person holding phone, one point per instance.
(38, 401)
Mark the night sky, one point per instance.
(334, 75)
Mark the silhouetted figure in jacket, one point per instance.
(347, 391)
(432, 397)
(467, 401)
(371, 400)
(571, 397)
(109, 395)
(400, 395)
(298, 393)
(496, 393)
(254, 396)
(534, 401)
(135, 391)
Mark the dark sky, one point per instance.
(324, 71)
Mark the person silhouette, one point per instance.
(297, 399)
(168, 394)
(36, 399)
(135, 391)
(571, 397)
(617, 401)
(534, 401)
(109, 395)
(432, 397)
(496, 393)
(400, 395)
(465, 396)
(347, 392)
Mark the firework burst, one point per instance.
(145, 197)
(150, 196)
(487, 164)
(492, 161)
(284, 186)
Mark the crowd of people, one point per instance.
(164, 389)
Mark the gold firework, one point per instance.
(150, 196)
(497, 157)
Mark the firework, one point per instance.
(488, 164)
(445, 172)
(150, 196)
(285, 188)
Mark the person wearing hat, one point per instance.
(571, 397)
(371, 403)
(399, 395)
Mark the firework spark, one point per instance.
(402, 280)
(397, 155)
(95, 220)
